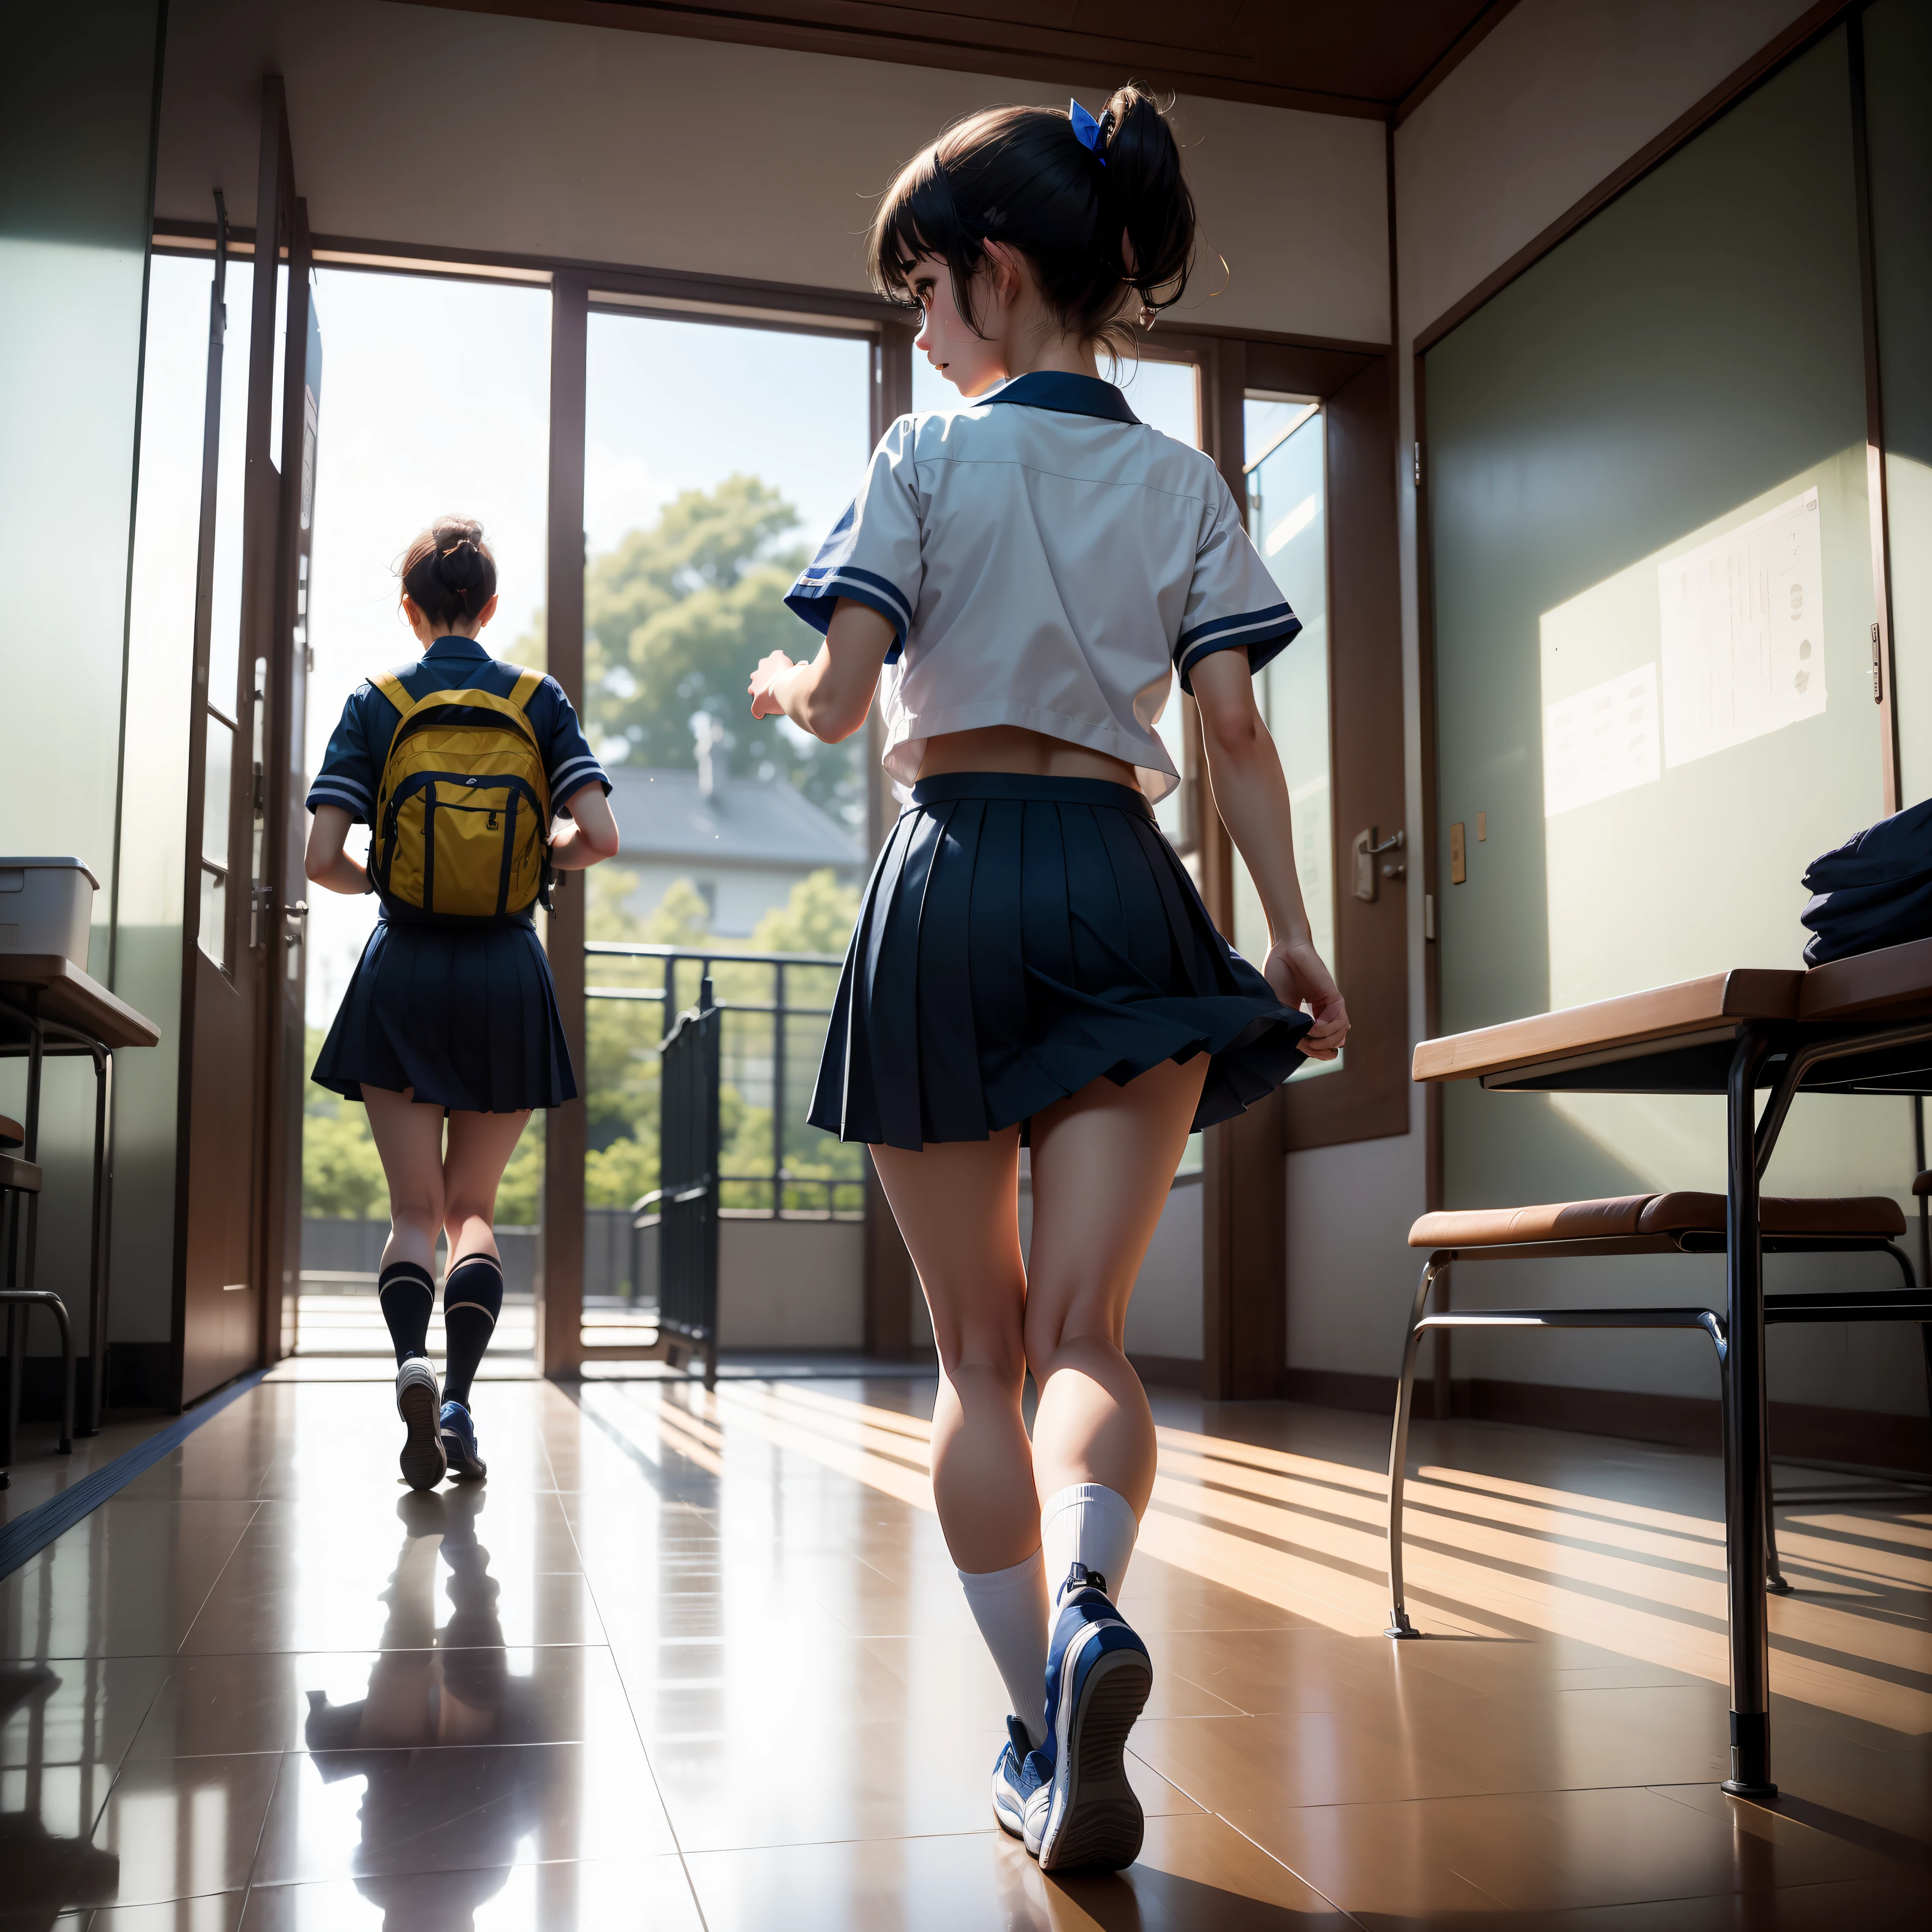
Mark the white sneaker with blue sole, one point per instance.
(1082, 1811)
(417, 1402)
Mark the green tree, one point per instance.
(520, 1196)
(818, 917)
(342, 1173)
(676, 616)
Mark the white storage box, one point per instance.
(46, 906)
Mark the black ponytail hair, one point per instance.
(1021, 175)
(448, 571)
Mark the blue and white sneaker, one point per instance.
(416, 1402)
(459, 1444)
(1082, 1811)
(1014, 1778)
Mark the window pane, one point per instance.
(716, 459)
(1167, 395)
(1286, 516)
(475, 357)
(214, 916)
(215, 799)
(224, 633)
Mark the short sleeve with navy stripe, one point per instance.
(1232, 599)
(352, 765)
(872, 555)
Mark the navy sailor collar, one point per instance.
(453, 647)
(1067, 395)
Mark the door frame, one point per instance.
(1244, 1221)
(562, 1351)
(1244, 1322)
(255, 940)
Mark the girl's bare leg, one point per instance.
(1103, 1161)
(410, 1139)
(957, 1204)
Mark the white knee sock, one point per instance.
(1089, 1524)
(1009, 1606)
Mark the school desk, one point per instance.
(1862, 1025)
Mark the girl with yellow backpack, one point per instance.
(458, 764)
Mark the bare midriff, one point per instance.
(1011, 748)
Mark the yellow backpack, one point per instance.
(462, 823)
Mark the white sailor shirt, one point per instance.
(1045, 559)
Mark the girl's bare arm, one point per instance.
(591, 835)
(325, 862)
(830, 696)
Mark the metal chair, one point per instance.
(19, 1188)
(1640, 1224)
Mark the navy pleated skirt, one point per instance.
(1020, 937)
(466, 1015)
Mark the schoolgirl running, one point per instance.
(1021, 581)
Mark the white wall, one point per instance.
(791, 1284)
(475, 130)
(741, 895)
(1164, 1317)
(1558, 95)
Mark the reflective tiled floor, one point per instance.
(700, 1661)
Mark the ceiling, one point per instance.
(1374, 58)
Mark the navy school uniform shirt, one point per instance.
(352, 767)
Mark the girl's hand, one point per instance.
(1294, 971)
(771, 668)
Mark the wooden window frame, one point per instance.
(1244, 1220)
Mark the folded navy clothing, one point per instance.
(1861, 919)
(1874, 891)
(1895, 849)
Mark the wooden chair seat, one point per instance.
(12, 1134)
(1647, 1217)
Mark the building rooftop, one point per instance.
(664, 816)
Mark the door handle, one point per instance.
(1366, 852)
(299, 911)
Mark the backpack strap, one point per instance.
(394, 690)
(525, 688)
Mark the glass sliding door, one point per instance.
(717, 457)
(391, 342)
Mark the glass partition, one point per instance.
(78, 100)
(1287, 510)
(1898, 84)
(1651, 557)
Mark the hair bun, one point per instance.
(461, 564)
(448, 573)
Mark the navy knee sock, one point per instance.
(408, 1293)
(472, 1298)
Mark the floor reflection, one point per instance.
(431, 1690)
(699, 1663)
(43, 1869)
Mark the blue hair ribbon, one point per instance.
(1087, 131)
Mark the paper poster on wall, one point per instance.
(1743, 632)
(1601, 741)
